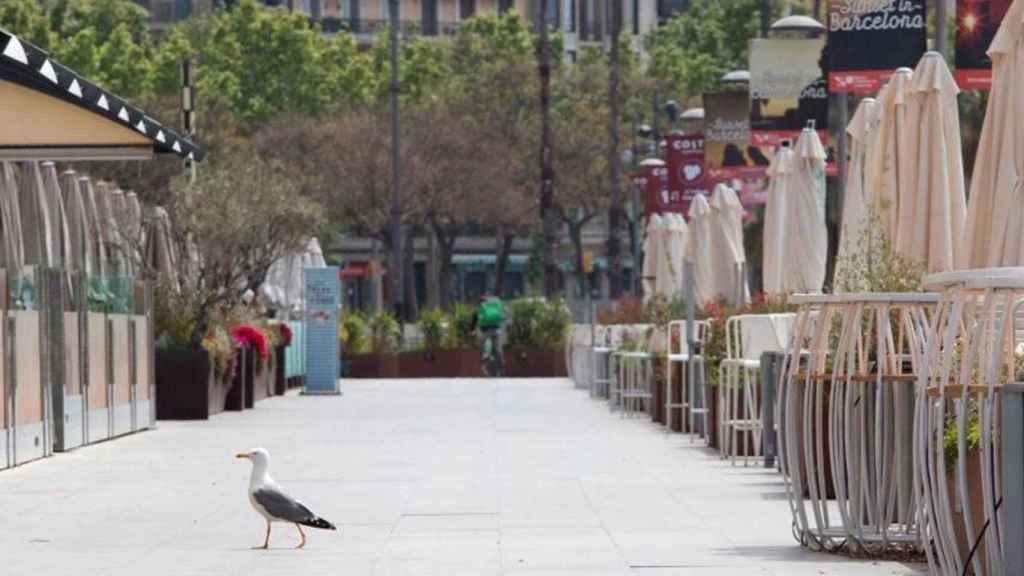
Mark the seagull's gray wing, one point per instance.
(282, 506)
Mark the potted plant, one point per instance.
(536, 338)
(283, 342)
(369, 345)
(429, 361)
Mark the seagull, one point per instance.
(273, 503)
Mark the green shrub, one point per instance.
(354, 333)
(521, 328)
(385, 332)
(461, 333)
(552, 325)
(435, 326)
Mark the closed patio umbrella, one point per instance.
(79, 254)
(774, 233)
(666, 275)
(727, 236)
(35, 215)
(652, 253)
(60, 239)
(933, 218)
(855, 223)
(995, 215)
(678, 240)
(891, 172)
(10, 219)
(700, 253)
(98, 251)
(159, 249)
(806, 234)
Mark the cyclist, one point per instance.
(489, 318)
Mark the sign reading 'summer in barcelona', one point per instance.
(322, 296)
(685, 155)
(868, 39)
(976, 24)
(788, 89)
(729, 156)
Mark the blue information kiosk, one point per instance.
(322, 299)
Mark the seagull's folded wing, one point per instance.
(282, 506)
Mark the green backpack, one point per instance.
(491, 313)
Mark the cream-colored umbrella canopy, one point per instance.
(10, 219)
(774, 232)
(856, 217)
(933, 217)
(995, 215)
(891, 172)
(160, 255)
(700, 253)
(806, 235)
(727, 241)
(679, 238)
(36, 226)
(60, 239)
(653, 249)
(81, 251)
(668, 271)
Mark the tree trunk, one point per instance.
(614, 160)
(576, 236)
(817, 10)
(433, 299)
(446, 246)
(504, 246)
(412, 311)
(547, 171)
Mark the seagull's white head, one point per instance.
(259, 456)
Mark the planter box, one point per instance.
(457, 363)
(240, 395)
(280, 384)
(977, 503)
(373, 365)
(534, 363)
(185, 385)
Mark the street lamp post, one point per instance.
(397, 286)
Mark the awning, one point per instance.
(355, 270)
(49, 112)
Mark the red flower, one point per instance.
(250, 337)
(286, 334)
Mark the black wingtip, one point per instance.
(320, 523)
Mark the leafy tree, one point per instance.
(29, 20)
(692, 51)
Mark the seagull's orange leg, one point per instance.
(266, 541)
(303, 535)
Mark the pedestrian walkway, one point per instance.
(445, 477)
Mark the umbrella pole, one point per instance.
(691, 313)
(841, 164)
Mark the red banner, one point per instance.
(652, 183)
(858, 82)
(685, 169)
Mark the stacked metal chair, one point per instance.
(693, 400)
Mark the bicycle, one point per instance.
(490, 352)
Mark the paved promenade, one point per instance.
(448, 478)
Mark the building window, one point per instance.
(466, 9)
(505, 5)
(572, 15)
(552, 17)
(429, 17)
(636, 17)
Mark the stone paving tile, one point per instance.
(445, 477)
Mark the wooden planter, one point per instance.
(185, 385)
(279, 384)
(977, 508)
(263, 380)
(454, 363)
(372, 365)
(522, 362)
(240, 395)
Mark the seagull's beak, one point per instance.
(242, 455)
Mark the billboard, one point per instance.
(788, 89)
(651, 182)
(976, 24)
(868, 39)
(729, 156)
(685, 155)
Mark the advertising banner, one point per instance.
(788, 89)
(729, 156)
(976, 24)
(685, 168)
(868, 39)
(651, 181)
(322, 296)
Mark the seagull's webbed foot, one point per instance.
(302, 534)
